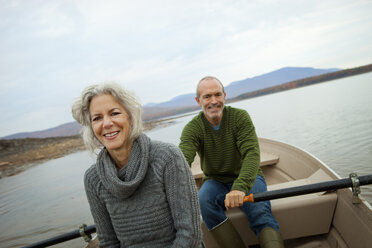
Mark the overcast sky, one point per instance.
(50, 50)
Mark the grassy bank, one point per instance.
(16, 155)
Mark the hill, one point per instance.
(305, 82)
(16, 155)
(279, 80)
(277, 77)
(236, 88)
(67, 129)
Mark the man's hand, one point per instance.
(234, 199)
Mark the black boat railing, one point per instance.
(83, 231)
(354, 182)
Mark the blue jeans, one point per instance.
(211, 199)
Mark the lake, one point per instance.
(331, 120)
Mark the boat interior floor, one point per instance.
(330, 240)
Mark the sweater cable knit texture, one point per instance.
(150, 202)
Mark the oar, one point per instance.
(310, 188)
(84, 232)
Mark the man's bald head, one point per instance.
(207, 78)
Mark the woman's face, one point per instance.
(110, 122)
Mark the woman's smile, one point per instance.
(110, 121)
(112, 135)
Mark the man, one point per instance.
(227, 144)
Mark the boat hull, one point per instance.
(336, 219)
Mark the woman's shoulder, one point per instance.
(163, 154)
(91, 175)
(158, 148)
(166, 157)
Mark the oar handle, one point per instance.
(306, 189)
(248, 198)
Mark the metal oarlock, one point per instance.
(355, 188)
(87, 237)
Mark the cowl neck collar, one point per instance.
(122, 183)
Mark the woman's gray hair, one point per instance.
(80, 110)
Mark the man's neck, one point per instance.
(215, 122)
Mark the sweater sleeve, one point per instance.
(190, 142)
(248, 146)
(105, 231)
(183, 201)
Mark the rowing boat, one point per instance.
(332, 218)
(336, 219)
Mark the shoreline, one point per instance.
(18, 155)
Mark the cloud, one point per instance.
(39, 119)
(51, 50)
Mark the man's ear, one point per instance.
(197, 100)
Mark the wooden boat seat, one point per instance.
(310, 214)
(266, 159)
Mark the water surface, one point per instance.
(332, 121)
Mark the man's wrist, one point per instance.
(239, 188)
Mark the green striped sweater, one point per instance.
(228, 155)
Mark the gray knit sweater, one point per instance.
(150, 202)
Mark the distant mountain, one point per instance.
(236, 88)
(67, 129)
(280, 76)
(178, 101)
(186, 102)
(304, 82)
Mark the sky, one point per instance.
(50, 50)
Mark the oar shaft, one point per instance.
(62, 238)
(306, 189)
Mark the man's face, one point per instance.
(212, 100)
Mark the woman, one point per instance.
(141, 192)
